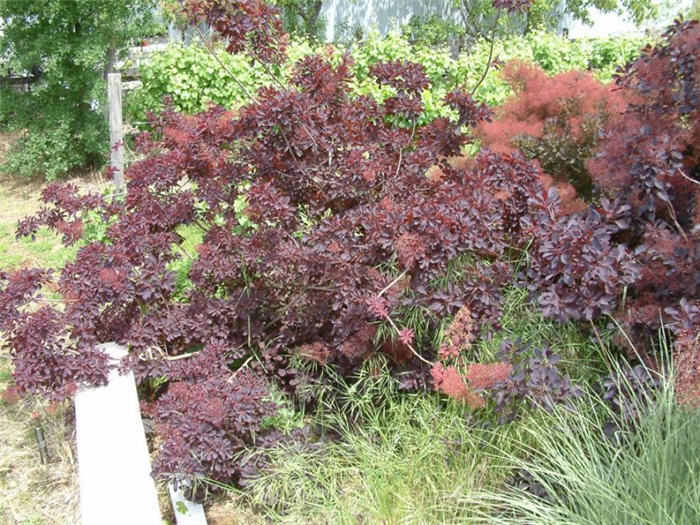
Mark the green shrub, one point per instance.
(193, 78)
(608, 53)
(432, 30)
(60, 148)
(554, 53)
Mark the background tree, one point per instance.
(71, 43)
(302, 17)
(542, 11)
(477, 17)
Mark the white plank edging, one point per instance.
(193, 512)
(114, 468)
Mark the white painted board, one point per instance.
(114, 468)
(186, 512)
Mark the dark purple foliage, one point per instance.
(205, 423)
(648, 159)
(536, 379)
(524, 480)
(626, 392)
(576, 270)
(250, 26)
(342, 192)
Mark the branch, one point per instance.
(181, 356)
(184, 252)
(228, 71)
(392, 283)
(410, 141)
(680, 172)
(46, 300)
(488, 63)
(410, 347)
(286, 88)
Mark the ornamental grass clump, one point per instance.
(575, 471)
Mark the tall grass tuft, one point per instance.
(647, 473)
(397, 459)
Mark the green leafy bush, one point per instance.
(62, 147)
(607, 53)
(68, 46)
(193, 78)
(432, 30)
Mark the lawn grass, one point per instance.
(20, 197)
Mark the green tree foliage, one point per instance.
(70, 44)
(477, 18)
(302, 17)
(693, 12)
(638, 11)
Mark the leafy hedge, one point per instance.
(193, 78)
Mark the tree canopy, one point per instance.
(69, 44)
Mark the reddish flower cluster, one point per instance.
(459, 335)
(451, 382)
(317, 351)
(636, 142)
(482, 376)
(478, 377)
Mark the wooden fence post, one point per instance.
(114, 94)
